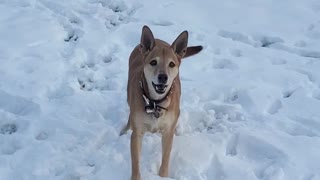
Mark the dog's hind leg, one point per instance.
(125, 128)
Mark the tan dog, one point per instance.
(154, 93)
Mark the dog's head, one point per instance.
(162, 61)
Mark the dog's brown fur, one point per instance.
(140, 71)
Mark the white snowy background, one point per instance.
(250, 100)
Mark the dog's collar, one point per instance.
(152, 106)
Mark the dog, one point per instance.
(153, 93)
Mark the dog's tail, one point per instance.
(125, 128)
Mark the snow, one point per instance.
(250, 101)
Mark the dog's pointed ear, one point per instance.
(179, 45)
(147, 40)
(192, 50)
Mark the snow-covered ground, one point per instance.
(250, 100)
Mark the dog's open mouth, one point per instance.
(160, 88)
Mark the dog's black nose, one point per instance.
(163, 78)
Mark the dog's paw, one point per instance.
(163, 172)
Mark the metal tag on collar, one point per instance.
(149, 109)
(153, 109)
(156, 114)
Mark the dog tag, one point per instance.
(156, 114)
(153, 110)
(149, 110)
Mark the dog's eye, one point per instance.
(172, 65)
(153, 63)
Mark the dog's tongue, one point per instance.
(161, 86)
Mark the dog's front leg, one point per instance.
(167, 138)
(136, 139)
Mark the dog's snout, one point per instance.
(163, 78)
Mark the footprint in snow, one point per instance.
(225, 64)
(41, 136)
(277, 61)
(255, 41)
(8, 129)
(100, 71)
(67, 18)
(288, 93)
(211, 118)
(228, 112)
(218, 117)
(267, 41)
(108, 59)
(73, 35)
(278, 43)
(121, 14)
